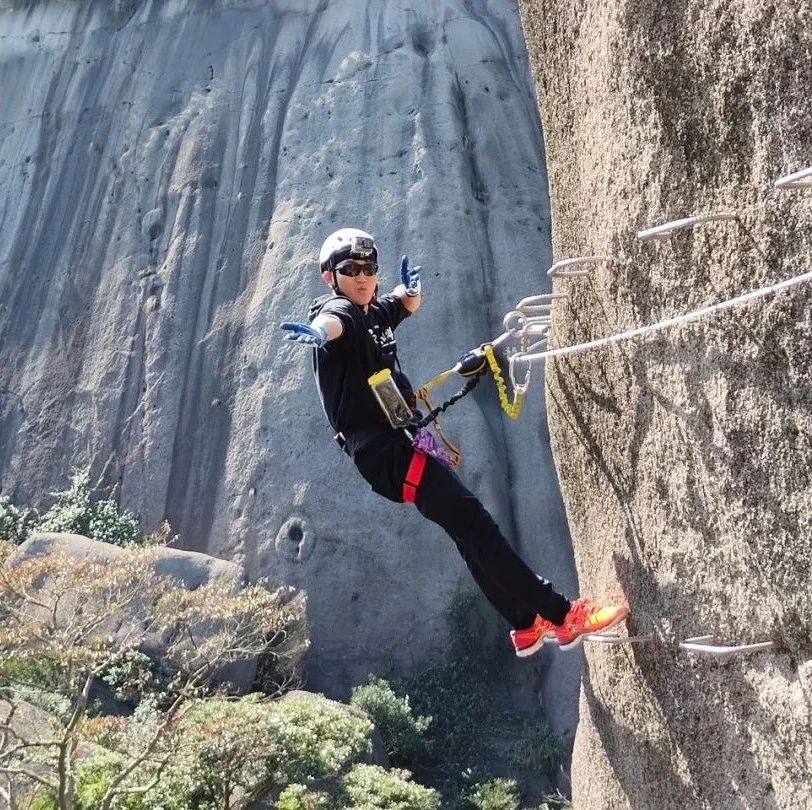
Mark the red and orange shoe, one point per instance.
(530, 640)
(586, 616)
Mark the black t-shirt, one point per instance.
(343, 366)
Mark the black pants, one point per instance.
(507, 582)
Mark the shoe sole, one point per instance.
(532, 650)
(580, 637)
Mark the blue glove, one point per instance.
(410, 276)
(304, 333)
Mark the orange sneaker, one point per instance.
(586, 616)
(530, 640)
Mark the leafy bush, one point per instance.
(370, 787)
(76, 512)
(403, 734)
(498, 794)
(31, 671)
(15, 523)
(183, 747)
(37, 680)
(92, 779)
(298, 797)
(457, 695)
(539, 749)
(224, 750)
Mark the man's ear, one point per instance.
(330, 280)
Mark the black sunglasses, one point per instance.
(353, 268)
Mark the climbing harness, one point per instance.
(414, 475)
(424, 441)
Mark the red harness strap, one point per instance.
(414, 475)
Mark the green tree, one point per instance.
(498, 794)
(78, 621)
(403, 734)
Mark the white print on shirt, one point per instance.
(384, 338)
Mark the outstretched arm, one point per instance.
(410, 291)
(323, 329)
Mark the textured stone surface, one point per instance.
(168, 171)
(685, 458)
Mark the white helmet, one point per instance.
(348, 243)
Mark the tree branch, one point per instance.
(20, 771)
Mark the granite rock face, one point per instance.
(685, 457)
(168, 171)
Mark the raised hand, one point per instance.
(304, 333)
(410, 276)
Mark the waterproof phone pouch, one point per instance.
(390, 399)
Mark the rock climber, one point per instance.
(351, 330)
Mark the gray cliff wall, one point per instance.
(685, 458)
(168, 171)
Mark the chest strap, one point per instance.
(414, 475)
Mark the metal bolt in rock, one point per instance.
(801, 179)
(669, 228)
(560, 269)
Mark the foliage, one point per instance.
(539, 749)
(503, 794)
(498, 794)
(67, 622)
(555, 802)
(76, 511)
(324, 739)
(36, 681)
(370, 787)
(403, 734)
(15, 523)
(298, 797)
(228, 752)
(457, 695)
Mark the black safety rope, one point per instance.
(464, 391)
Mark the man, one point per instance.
(352, 331)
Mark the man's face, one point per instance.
(359, 289)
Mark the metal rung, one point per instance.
(611, 638)
(507, 322)
(559, 269)
(535, 327)
(664, 231)
(705, 646)
(538, 309)
(541, 300)
(523, 322)
(801, 179)
(539, 345)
